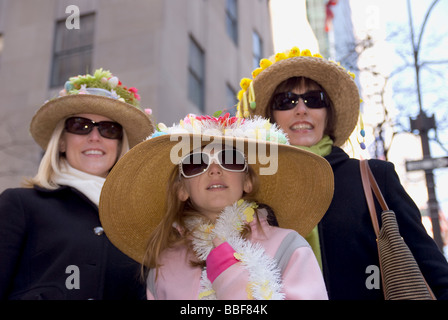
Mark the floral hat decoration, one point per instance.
(133, 198)
(101, 93)
(339, 84)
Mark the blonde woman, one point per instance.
(52, 245)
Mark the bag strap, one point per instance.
(369, 183)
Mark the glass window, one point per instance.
(196, 74)
(73, 49)
(232, 20)
(257, 46)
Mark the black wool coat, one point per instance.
(50, 249)
(347, 238)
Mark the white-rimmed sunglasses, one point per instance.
(196, 163)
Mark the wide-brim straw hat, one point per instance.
(334, 79)
(137, 124)
(133, 199)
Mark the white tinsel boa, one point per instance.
(264, 276)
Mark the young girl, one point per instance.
(210, 236)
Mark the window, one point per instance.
(232, 20)
(1, 44)
(72, 50)
(257, 46)
(231, 101)
(196, 74)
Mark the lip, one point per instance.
(216, 186)
(301, 126)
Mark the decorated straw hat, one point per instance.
(298, 186)
(339, 84)
(102, 94)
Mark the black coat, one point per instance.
(347, 237)
(48, 242)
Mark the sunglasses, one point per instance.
(196, 163)
(83, 126)
(288, 100)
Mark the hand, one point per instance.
(216, 242)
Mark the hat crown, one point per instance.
(102, 83)
(256, 128)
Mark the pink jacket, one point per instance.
(301, 275)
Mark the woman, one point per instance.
(316, 102)
(52, 245)
(208, 232)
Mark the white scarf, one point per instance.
(88, 184)
(264, 276)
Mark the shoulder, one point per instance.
(342, 163)
(292, 241)
(27, 194)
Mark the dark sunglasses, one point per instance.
(196, 163)
(288, 100)
(83, 126)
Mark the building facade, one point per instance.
(183, 57)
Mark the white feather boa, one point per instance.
(264, 276)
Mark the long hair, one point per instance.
(50, 165)
(295, 82)
(166, 234)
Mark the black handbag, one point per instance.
(400, 273)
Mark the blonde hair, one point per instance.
(165, 235)
(51, 160)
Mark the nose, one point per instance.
(301, 107)
(214, 169)
(94, 135)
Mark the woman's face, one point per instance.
(90, 153)
(215, 189)
(304, 126)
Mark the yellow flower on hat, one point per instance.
(280, 56)
(245, 83)
(264, 63)
(256, 72)
(294, 52)
(306, 53)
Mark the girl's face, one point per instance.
(215, 189)
(304, 126)
(90, 153)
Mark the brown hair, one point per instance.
(165, 235)
(302, 82)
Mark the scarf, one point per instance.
(322, 148)
(264, 275)
(88, 184)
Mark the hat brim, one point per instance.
(338, 84)
(133, 198)
(137, 124)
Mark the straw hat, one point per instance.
(101, 94)
(337, 82)
(133, 199)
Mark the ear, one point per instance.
(62, 144)
(183, 194)
(247, 184)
